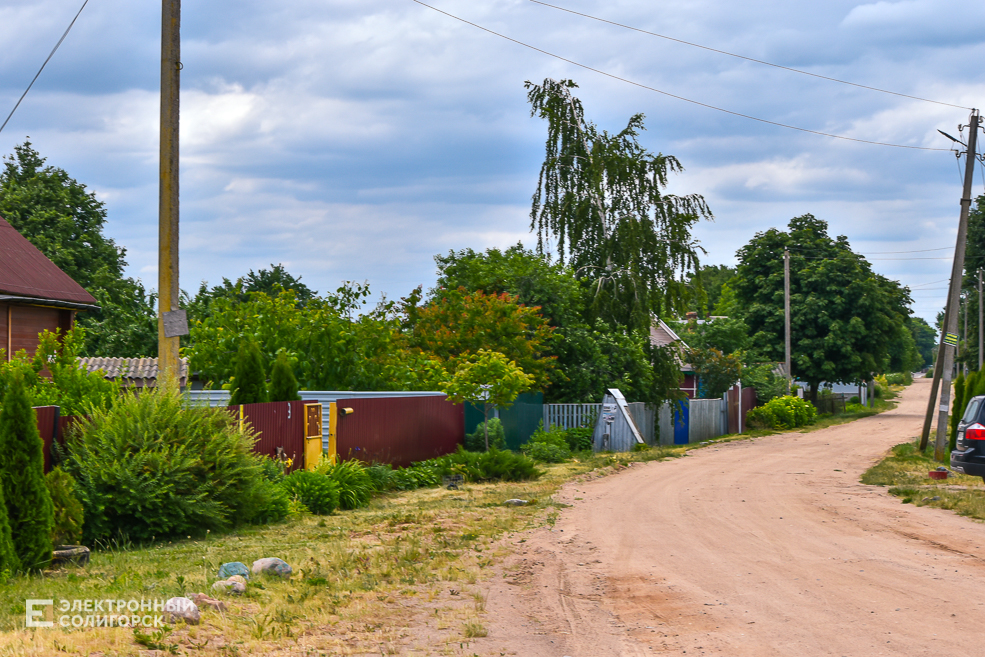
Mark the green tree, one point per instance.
(9, 561)
(844, 317)
(283, 385)
(590, 356)
(29, 506)
(726, 334)
(925, 339)
(708, 283)
(250, 381)
(65, 221)
(488, 377)
(600, 198)
(717, 372)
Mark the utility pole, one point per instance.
(786, 316)
(964, 338)
(980, 322)
(167, 261)
(935, 386)
(957, 271)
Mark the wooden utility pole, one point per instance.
(167, 261)
(935, 386)
(786, 316)
(964, 338)
(980, 322)
(954, 292)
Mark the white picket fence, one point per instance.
(570, 416)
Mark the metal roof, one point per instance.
(26, 272)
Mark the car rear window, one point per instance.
(971, 412)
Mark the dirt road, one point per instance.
(763, 547)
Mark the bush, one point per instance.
(273, 470)
(494, 465)
(69, 515)
(283, 384)
(420, 475)
(898, 378)
(476, 441)
(548, 446)
(765, 381)
(383, 476)
(249, 381)
(275, 503)
(320, 494)
(150, 468)
(580, 438)
(29, 507)
(785, 412)
(354, 483)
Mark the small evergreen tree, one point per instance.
(8, 556)
(283, 384)
(28, 502)
(250, 379)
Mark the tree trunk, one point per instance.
(485, 423)
(812, 392)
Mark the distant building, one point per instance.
(662, 335)
(35, 294)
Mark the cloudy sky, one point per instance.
(353, 140)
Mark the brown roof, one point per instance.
(26, 272)
(135, 372)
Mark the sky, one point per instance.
(354, 140)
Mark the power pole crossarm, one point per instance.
(954, 292)
(167, 261)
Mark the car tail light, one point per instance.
(975, 432)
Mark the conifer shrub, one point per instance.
(69, 515)
(29, 507)
(249, 378)
(149, 468)
(320, 494)
(275, 503)
(283, 384)
(9, 563)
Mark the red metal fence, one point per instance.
(399, 430)
(279, 427)
(740, 400)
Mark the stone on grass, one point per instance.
(515, 502)
(271, 566)
(203, 601)
(229, 586)
(227, 570)
(183, 609)
(236, 578)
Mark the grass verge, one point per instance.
(904, 471)
(400, 575)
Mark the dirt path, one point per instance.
(762, 547)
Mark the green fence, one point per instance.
(519, 420)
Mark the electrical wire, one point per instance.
(50, 55)
(670, 95)
(750, 59)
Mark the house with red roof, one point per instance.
(34, 294)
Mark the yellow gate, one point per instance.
(312, 435)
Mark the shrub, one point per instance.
(273, 470)
(320, 494)
(148, 467)
(249, 381)
(548, 446)
(494, 465)
(354, 483)
(274, 505)
(283, 384)
(69, 515)
(383, 476)
(765, 381)
(29, 507)
(476, 441)
(782, 413)
(580, 438)
(8, 556)
(420, 475)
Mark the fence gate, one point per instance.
(312, 435)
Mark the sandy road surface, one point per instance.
(762, 547)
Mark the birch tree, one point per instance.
(600, 199)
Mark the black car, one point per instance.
(969, 457)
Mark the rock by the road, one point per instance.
(182, 609)
(231, 568)
(272, 566)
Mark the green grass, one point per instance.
(904, 471)
(359, 576)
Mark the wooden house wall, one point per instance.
(20, 325)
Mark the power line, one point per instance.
(943, 248)
(667, 93)
(50, 55)
(750, 59)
